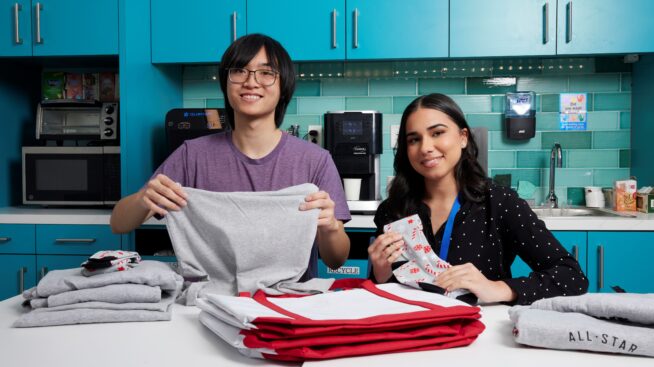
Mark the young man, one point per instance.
(257, 79)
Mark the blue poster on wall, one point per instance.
(573, 111)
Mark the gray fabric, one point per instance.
(242, 241)
(571, 330)
(95, 312)
(114, 293)
(634, 307)
(89, 316)
(151, 273)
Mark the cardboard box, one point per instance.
(645, 202)
(624, 194)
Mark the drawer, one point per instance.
(75, 239)
(17, 239)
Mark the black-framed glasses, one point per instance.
(262, 76)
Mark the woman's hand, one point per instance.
(162, 194)
(467, 276)
(327, 222)
(383, 252)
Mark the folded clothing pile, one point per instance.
(144, 293)
(356, 318)
(614, 323)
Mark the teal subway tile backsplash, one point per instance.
(603, 120)
(195, 103)
(215, 103)
(606, 177)
(492, 121)
(612, 102)
(595, 83)
(502, 158)
(625, 120)
(318, 106)
(625, 158)
(381, 104)
(400, 103)
(497, 140)
(472, 104)
(550, 102)
(393, 87)
(611, 139)
(567, 139)
(543, 84)
(597, 156)
(345, 87)
(307, 88)
(536, 158)
(441, 85)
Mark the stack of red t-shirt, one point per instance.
(357, 318)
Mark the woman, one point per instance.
(257, 79)
(437, 171)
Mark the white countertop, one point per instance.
(28, 215)
(184, 341)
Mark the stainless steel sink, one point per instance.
(577, 212)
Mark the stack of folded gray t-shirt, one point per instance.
(145, 292)
(614, 323)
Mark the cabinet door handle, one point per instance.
(334, 45)
(5, 239)
(75, 240)
(17, 39)
(356, 28)
(546, 23)
(568, 36)
(575, 252)
(234, 15)
(600, 275)
(21, 279)
(39, 7)
(44, 271)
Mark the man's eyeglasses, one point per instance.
(264, 77)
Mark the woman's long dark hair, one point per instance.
(407, 189)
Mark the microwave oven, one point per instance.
(77, 120)
(71, 175)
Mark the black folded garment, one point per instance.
(468, 298)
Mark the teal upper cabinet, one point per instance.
(309, 30)
(15, 34)
(74, 27)
(622, 259)
(605, 26)
(59, 27)
(195, 30)
(482, 28)
(397, 29)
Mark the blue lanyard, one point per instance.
(445, 242)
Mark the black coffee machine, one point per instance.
(354, 139)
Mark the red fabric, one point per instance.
(468, 333)
(300, 338)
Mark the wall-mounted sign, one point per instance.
(573, 111)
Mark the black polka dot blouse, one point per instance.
(492, 233)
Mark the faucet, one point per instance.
(555, 161)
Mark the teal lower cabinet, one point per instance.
(71, 239)
(17, 273)
(574, 242)
(622, 259)
(45, 263)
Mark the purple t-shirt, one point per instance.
(213, 163)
